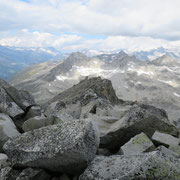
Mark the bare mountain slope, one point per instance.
(154, 82)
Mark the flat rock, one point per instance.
(160, 138)
(67, 147)
(7, 129)
(138, 144)
(152, 165)
(139, 118)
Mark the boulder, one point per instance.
(138, 144)
(67, 147)
(33, 111)
(7, 129)
(139, 118)
(160, 138)
(36, 174)
(3, 159)
(8, 173)
(37, 122)
(22, 98)
(42, 121)
(175, 148)
(8, 106)
(153, 165)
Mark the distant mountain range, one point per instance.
(155, 82)
(14, 59)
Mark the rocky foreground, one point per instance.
(85, 133)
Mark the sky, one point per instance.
(72, 25)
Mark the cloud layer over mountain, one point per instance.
(73, 24)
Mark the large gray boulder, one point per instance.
(138, 144)
(160, 138)
(139, 118)
(7, 129)
(67, 147)
(158, 164)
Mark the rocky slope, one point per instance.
(85, 133)
(152, 82)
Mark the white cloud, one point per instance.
(139, 24)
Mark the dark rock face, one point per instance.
(88, 90)
(152, 165)
(67, 147)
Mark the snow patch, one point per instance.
(62, 78)
(177, 95)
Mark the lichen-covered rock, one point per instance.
(7, 129)
(8, 173)
(175, 148)
(138, 144)
(67, 147)
(160, 138)
(33, 174)
(152, 165)
(139, 118)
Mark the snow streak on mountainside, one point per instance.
(154, 82)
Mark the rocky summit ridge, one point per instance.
(85, 133)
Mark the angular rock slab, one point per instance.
(139, 118)
(139, 144)
(152, 165)
(7, 104)
(67, 147)
(7, 129)
(164, 139)
(22, 98)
